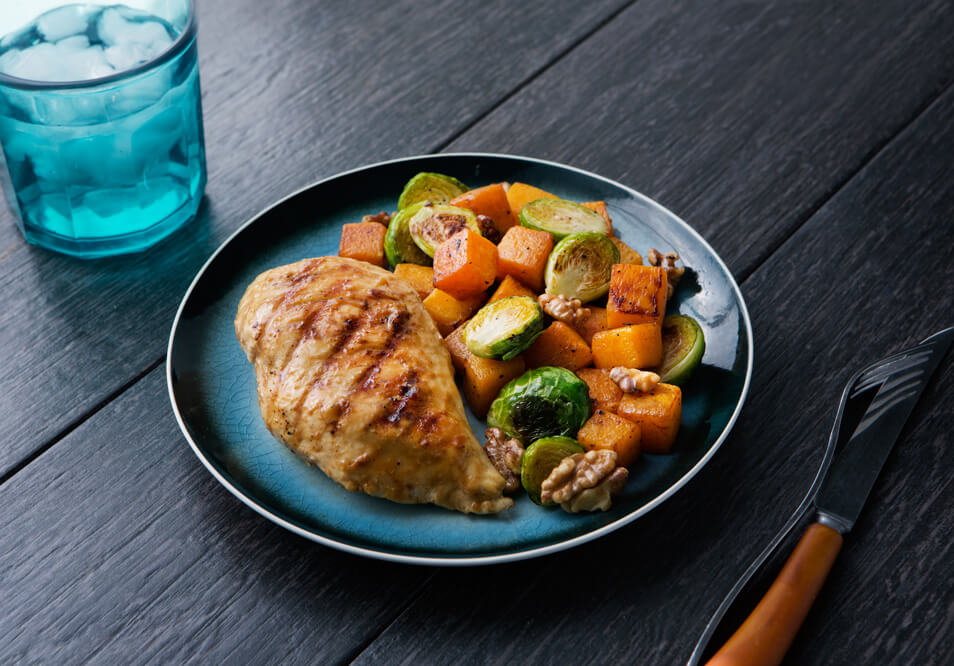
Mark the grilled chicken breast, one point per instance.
(353, 375)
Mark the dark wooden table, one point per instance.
(812, 143)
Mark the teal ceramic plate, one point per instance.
(212, 385)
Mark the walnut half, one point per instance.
(381, 218)
(506, 456)
(584, 481)
(668, 262)
(631, 380)
(569, 311)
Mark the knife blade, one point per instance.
(856, 467)
(764, 637)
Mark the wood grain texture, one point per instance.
(867, 275)
(741, 117)
(293, 91)
(119, 547)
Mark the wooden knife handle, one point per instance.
(765, 635)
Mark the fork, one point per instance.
(891, 372)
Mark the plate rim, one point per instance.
(453, 561)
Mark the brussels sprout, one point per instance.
(432, 224)
(399, 247)
(562, 218)
(434, 187)
(542, 402)
(539, 460)
(683, 347)
(504, 328)
(580, 266)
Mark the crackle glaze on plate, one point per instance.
(212, 385)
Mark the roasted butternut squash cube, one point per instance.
(484, 377)
(637, 295)
(560, 346)
(522, 253)
(604, 392)
(520, 194)
(489, 200)
(510, 287)
(363, 241)
(465, 264)
(592, 324)
(420, 277)
(600, 207)
(605, 430)
(638, 346)
(449, 312)
(627, 255)
(657, 413)
(456, 344)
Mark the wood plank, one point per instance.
(293, 91)
(868, 274)
(741, 117)
(118, 546)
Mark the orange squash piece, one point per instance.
(600, 207)
(520, 194)
(592, 324)
(560, 346)
(627, 255)
(420, 277)
(484, 377)
(457, 346)
(637, 295)
(363, 241)
(604, 392)
(523, 254)
(465, 264)
(448, 312)
(605, 430)
(657, 413)
(510, 287)
(637, 346)
(489, 200)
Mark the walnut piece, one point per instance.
(585, 481)
(488, 229)
(631, 380)
(668, 262)
(506, 456)
(381, 218)
(561, 308)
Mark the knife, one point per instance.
(764, 637)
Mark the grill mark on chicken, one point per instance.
(407, 394)
(396, 324)
(295, 283)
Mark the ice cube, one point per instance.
(115, 29)
(74, 42)
(9, 60)
(37, 63)
(84, 64)
(63, 22)
(125, 56)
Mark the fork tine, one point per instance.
(878, 373)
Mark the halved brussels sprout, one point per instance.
(541, 458)
(432, 224)
(562, 218)
(580, 266)
(434, 187)
(683, 347)
(504, 328)
(542, 402)
(399, 247)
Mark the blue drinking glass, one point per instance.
(101, 124)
